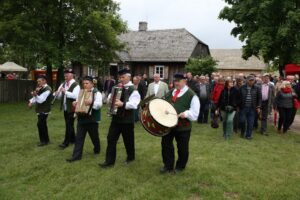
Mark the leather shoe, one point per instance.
(128, 161)
(72, 159)
(63, 146)
(179, 170)
(106, 165)
(164, 170)
(42, 144)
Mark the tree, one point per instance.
(55, 31)
(269, 28)
(201, 65)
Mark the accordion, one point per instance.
(81, 108)
(116, 93)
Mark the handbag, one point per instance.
(214, 122)
(296, 103)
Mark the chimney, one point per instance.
(143, 26)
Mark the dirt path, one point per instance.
(295, 126)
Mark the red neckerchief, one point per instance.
(286, 90)
(175, 95)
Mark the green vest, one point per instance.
(69, 101)
(44, 107)
(182, 104)
(124, 116)
(95, 116)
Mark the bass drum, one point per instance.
(158, 117)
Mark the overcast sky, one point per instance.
(200, 17)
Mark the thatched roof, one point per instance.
(170, 45)
(232, 59)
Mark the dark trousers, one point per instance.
(182, 138)
(70, 132)
(285, 115)
(293, 115)
(204, 109)
(42, 127)
(82, 129)
(247, 116)
(236, 121)
(264, 116)
(115, 130)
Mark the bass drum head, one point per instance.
(163, 113)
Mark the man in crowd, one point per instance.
(191, 83)
(268, 96)
(157, 88)
(42, 97)
(204, 96)
(250, 104)
(123, 121)
(68, 93)
(187, 105)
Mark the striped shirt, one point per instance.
(248, 102)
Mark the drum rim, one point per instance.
(155, 119)
(149, 131)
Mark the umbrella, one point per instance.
(12, 67)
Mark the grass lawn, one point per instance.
(264, 168)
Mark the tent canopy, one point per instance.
(291, 69)
(12, 67)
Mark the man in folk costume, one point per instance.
(187, 105)
(42, 97)
(123, 121)
(88, 122)
(68, 93)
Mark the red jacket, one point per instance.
(215, 95)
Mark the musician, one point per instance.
(187, 105)
(123, 121)
(68, 93)
(42, 97)
(88, 122)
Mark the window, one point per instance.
(90, 71)
(159, 69)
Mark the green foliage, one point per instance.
(201, 65)
(264, 168)
(51, 32)
(269, 28)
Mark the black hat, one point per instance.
(41, 76)
(250, 77)
(69, 71)
(179, 76)
(89, 78)
(124, 71)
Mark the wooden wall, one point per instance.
(16, 90)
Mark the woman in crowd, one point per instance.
(284, 105)
(227, 105)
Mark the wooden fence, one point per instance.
(16, 90)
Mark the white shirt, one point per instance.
(156, 86)
(134, 99)
(72, 95)
(40, 98)
(193, 112)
